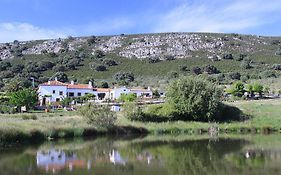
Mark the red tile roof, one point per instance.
(102, 89)
(79, 86)
(54, 83)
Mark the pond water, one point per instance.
(156, 155)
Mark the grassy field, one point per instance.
(265, 118)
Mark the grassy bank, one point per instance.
(33, 127)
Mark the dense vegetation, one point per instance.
(88, 62)
(187, 99)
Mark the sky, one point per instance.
(45, 19)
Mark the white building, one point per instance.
(140, 93)
(56, 91)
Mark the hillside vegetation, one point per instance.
(148, 59)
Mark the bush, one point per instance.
(5, 65)
(98, 115)
(235, 75)
(109, 62)
(276, 66)
(241, 57)
(246, 64)
(197, 70)
(237, 89)
(228, 57)
(61, 76)
(211, 69)
(127, 97)
(154, 60)
(194, 98)
(100, 68)
(99, 54)
(124, 77)
(184, 69)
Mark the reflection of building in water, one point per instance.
(55, 160)
(145, 157)
(115, 158)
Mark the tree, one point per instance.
(98, 115)
(127, 97)
(99, 54)
(197, 70)
(5, 65)
(235, 75)
(276, 66)
(61, 76)
(104, 84)
(258, 88)
(194, 98)
(24, 97)
(125, 77)
(237, 89)
(100, 68)
(109, 62)
(228, 57)
(153, 60)
(211, 69)
(250, 90)
(246, 63)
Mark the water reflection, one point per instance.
(55, 160)
(147, 156)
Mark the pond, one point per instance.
(156, 155)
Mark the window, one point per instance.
(57, 99)
(71, 94)
(61, 92)
(79, 94)
(54, 91)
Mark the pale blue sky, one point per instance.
(41, 19)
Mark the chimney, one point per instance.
(148, 88)
(90, 84)
(72, 82)
(49, 82)
(56, 79)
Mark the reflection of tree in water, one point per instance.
(256, 160)
(194, 157)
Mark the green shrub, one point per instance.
(194, 98)
(98, 115)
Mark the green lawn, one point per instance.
(265, 117)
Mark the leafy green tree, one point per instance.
(103, 84)
(66, 101)
(197, 70)
(237, 89)
(125, 77)
(246, 63)
(61, 76)
(5, 65)
(211, 69)
(127, 97)
(99, 54)
(194, 98)
(24, 97)
(98, 115)
(258, 88)
(250, 89)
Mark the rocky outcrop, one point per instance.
(178, 45)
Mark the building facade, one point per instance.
(56, 91)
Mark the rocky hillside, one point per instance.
(146, 59)
(177, 45)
